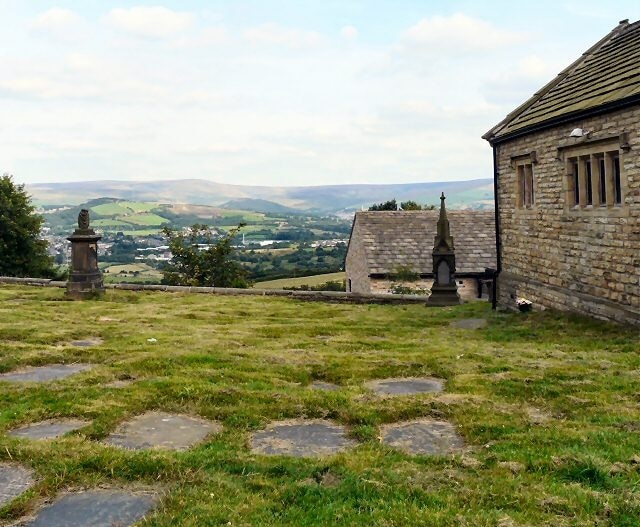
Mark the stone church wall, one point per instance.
(556, 254)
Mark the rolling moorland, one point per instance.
(546, 404)
(333, 199)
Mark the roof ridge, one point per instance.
(622, 27)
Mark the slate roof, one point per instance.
(607, 73)
(405, 238)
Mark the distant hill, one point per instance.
(328, 199)
(258, 205)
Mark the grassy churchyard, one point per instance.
(538, 421)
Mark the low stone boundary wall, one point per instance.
(316, 296)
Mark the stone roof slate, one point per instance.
(393, 239)
(606, 73)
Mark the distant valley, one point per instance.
(329, 199)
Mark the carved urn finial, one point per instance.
(83, 220)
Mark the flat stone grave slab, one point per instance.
(423, 436)
(405, 385)
(95, 508)
(14, 480)
(162, 430)
(119, 383)
(48, 429)
(87, 343)
(52, 372)
(324, 386)
(470, 323)
(301, 438)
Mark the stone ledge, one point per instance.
(315, 296)
(573, 301)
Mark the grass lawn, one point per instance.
(548, 406)
(297, 282)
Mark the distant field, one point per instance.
(111, 209)
(136, 272)
(145, 218)
(246, 215)
(297, 282)
(142, 206)
(140, 232)
(106, 222)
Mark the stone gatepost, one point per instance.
(444, 291)
(85, 279)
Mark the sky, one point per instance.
(267, 92)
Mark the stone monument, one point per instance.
(444, 291)
(85, 279)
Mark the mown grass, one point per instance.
(548, 405)
(303, 280)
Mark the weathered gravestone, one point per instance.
(162, 430)
(48, 429)
(95, 508)
(301, 438)
(14, 480)
(423, 436)
(52, 372)
(405, 385)
(85, 279)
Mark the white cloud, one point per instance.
(59, 24)
(518, 83)
(349, 32)
(275, 35)
(150, 22)
(210, 36)
(458, 33)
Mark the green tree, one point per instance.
(22, 251)
(199, 259)
(387, 205)
(410, 205)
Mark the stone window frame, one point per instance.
(523, 165)
(583, 163)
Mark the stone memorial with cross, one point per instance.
(444, 291)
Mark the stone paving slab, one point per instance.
(48, 429)
(162, 430)
(470, 323)
(87, 343)
(301, 438)
(324, 386)
(119, 383)
(14, 480)
(51, 372)
(95, 508)
(423, 436)
(405, 385)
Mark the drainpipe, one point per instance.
(494, 300)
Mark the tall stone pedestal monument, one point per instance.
(85, 279)
(444, 291)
